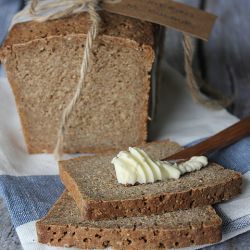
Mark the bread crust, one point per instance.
(206, 231)
(112, 25)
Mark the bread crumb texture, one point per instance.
(64, 227)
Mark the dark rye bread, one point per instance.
(64, 227)
(42, 62)
(93, 185)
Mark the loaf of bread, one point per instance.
(93, 185)
(43, 60)
(64, 227)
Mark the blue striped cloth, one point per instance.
(7, 9)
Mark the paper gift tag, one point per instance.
(167, 13)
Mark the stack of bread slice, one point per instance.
(96, 212)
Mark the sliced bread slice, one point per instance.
(63, 226)
(93, 185)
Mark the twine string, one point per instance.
(44, 10)
(91, 6)
(33, 6)
(70, 7)
(192, 81)
(91, 36)
(41, 10)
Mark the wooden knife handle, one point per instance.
(218, 141)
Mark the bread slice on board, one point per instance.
(93, 185)
(64, 227)
(42, 62)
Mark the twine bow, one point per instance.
(40, 10)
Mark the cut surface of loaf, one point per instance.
(93, 185)
(64, 227)
(42, 62)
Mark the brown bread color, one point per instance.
(42, 62)
(64, 227)
(93, 185)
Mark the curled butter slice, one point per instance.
(129, 160)
(125, 175)
(169, 171)
(135, 166)
(157, 175)
(142, 161)
(194, 164)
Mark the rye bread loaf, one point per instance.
(93, 185)
(63, 227)
(42, 61)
